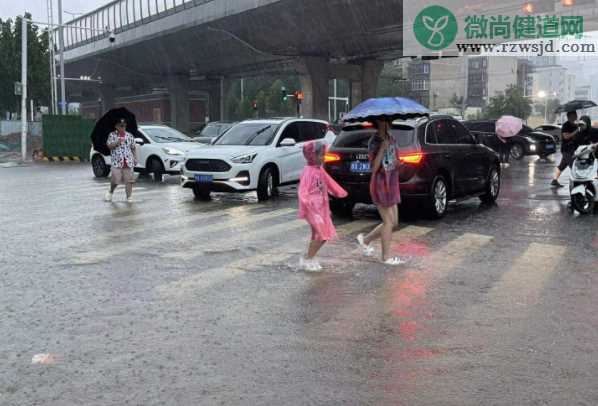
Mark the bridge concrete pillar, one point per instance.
(365, 87)
(314, 74)
(178, 89)
(218, 91)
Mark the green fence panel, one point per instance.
(66, 136)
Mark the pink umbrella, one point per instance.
(508, 126)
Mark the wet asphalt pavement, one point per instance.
(169, 301)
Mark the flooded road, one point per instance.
(171, 301)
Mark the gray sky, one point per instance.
(39, 10)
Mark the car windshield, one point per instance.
(165, 134)
(211, 130)
(526, 130)
(248, 134)
(360, 138)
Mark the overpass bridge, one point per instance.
(195, 48)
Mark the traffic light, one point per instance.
(283, 93)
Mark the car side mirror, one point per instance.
(139, 141)
(288, 142)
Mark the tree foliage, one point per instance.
(266, 92)
(511, 102)
(38, 61)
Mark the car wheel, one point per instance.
(342, 208)
(266, 187)
(492, 187)
(517, 151)
(201, 193)
(583, 203)
(156, 168)
(438, 198)
(99, 167)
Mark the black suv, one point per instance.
(527, 142)
(439, 161)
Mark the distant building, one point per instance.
(447, 80)
(569, 88)
(542, 60)
(489, 76)
(418, 74)
(553, 80)
(583, 92)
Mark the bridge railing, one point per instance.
(118, 16)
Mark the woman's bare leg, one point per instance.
(129, 189)
(387, 214)
(314, 247)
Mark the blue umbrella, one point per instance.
(388, 108)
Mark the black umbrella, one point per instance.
(105, 126)
(575, 105)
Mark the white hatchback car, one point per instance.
(161, 151)
(253, 155)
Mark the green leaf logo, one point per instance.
(435, 28)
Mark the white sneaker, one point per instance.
(309, 265)
(394, 261)
(129, 200)
(108, 197)
(368, 250)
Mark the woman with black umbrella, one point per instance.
(122, 154)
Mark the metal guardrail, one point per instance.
(118, 16)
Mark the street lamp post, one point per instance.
(542, 95)
(61, 44)
(24, 89)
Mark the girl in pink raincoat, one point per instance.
(314, 186)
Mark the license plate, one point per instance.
(360, 167)
(550, 147)
(204, 178)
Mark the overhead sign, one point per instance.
(457, 27)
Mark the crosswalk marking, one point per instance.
(131, 226)
(130, 212)
(455, 251)
(405, 232)
(524, 282)
(239, 220)
(271, 231)
(413, 231)
(214, 276)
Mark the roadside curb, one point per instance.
(62, 159)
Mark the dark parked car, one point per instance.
(527, 142)
(212, 131)
(554, 130)
(439, 161)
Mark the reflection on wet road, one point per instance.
(172, 301)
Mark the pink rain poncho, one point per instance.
(314, 186)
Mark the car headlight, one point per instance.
(172, 151)
(244, 159)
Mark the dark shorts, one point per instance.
(566, 161)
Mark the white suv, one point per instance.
(253, 155)
(161, 152)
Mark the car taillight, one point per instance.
(413, 158)
(331, 157)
